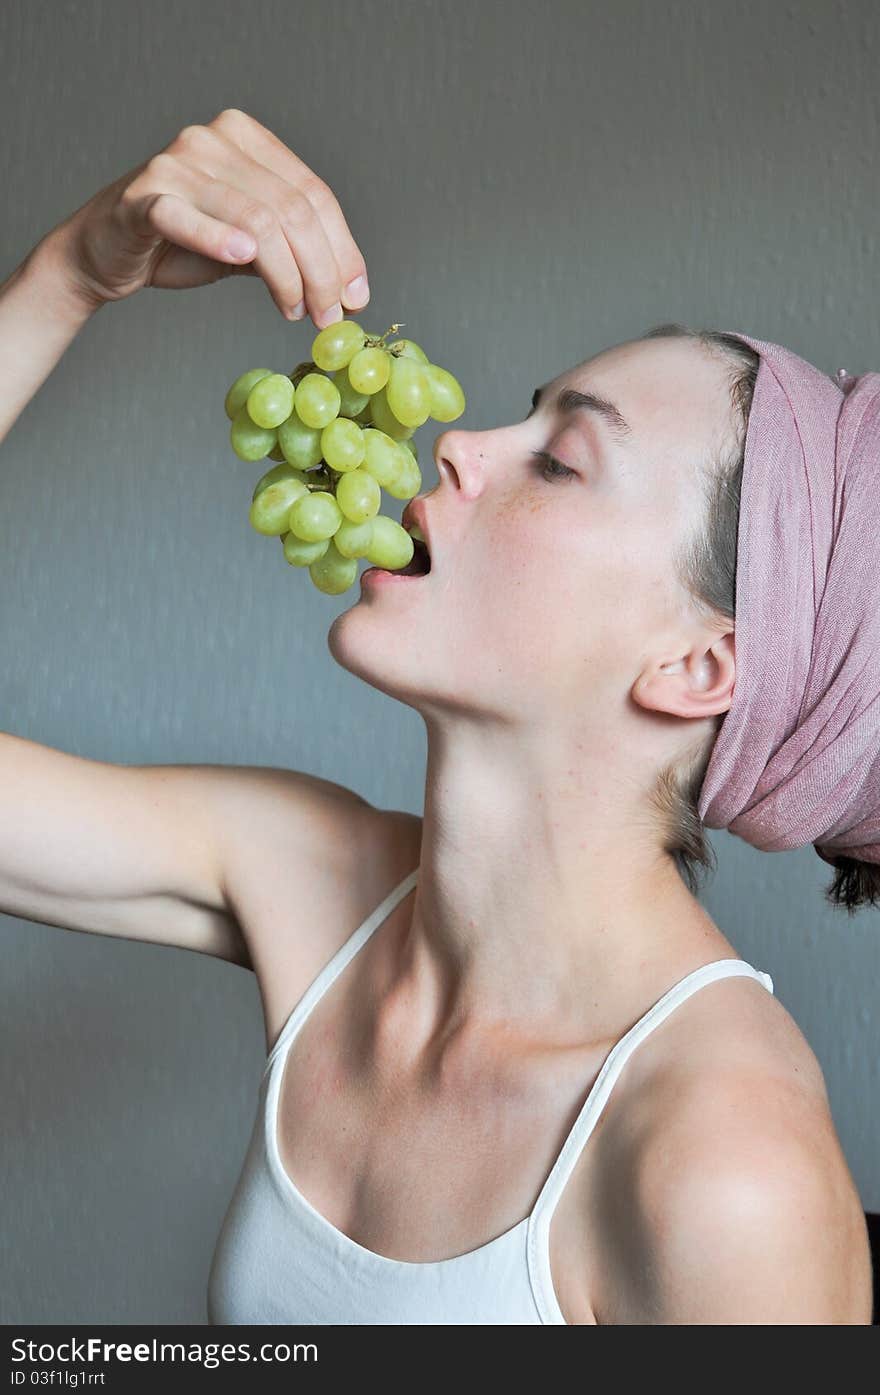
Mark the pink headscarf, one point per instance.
(797, 756)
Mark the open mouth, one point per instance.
(420, 563)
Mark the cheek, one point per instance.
(541, 589)
(534, 549)
(527, 529)
(566, 597)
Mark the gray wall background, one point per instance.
(528, 184)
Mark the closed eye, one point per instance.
(551, 469)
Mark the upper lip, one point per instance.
(415, 513)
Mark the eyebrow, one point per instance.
(570, 400)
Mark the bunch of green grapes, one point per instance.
(340, 427)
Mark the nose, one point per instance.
(460, 457)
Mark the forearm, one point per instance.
(40, 314)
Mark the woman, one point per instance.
(529, 972)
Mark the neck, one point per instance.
(543, 908)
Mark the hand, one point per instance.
(169, 222)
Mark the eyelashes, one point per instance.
(551, 469)
(546, 464)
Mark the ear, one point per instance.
(697, 684)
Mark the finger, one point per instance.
(355, 292)
(298, 221)
(252, 137)
(175, 219)
(226, 203)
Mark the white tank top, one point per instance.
(278, 1260)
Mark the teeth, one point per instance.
(415, 532)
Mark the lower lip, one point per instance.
(378, 576)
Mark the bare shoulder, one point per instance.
(304, 861)
(739, 1204)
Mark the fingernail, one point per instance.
(298, 311)
(357, 291)
(329, 316)
(240, 245)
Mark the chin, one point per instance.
(408, 659)
(381, 649)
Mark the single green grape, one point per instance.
(315, 516)
(383, 417)
(270, 401)
(411, 446)
(351, 403)
(399, 473)
(408, 392)
(369, 370)
(445, 392)
(249, 441)
(413, 472)
(333, 573)
(380, 456)
(342, 444)
(302, 554)
(391, 546)
(408, 480)
(238, 393)
(358, 495)
(301, 444)
(317, 400)
(271, 508)
(278, 472)
(337, 344)
(353, 539)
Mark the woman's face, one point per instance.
(550, 588)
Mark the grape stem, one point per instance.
(300, 371)
(377, 341)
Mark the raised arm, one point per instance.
(144, 851)
(40, 315)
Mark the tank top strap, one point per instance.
(612, 1066)
(334, 966)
